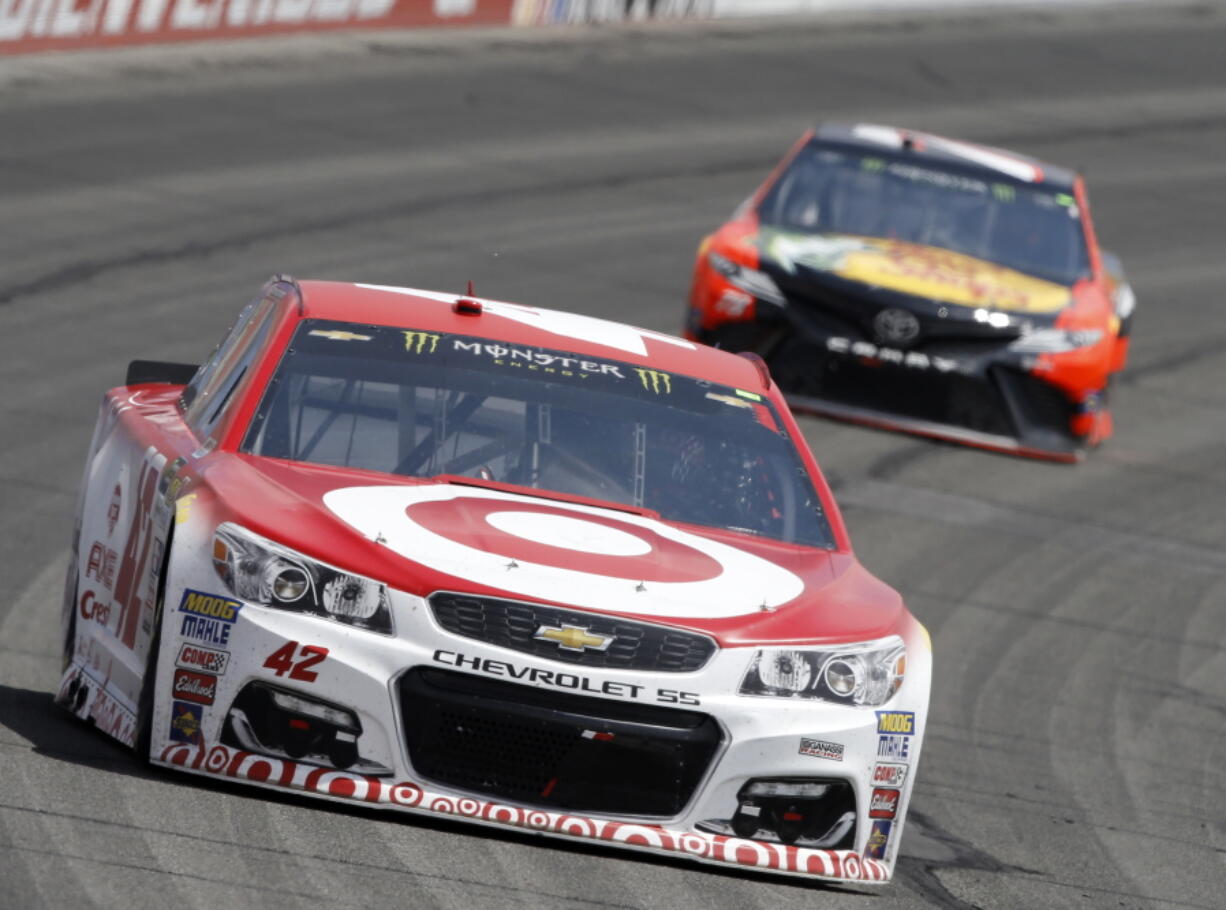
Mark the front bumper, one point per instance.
(446, 725)
(965, 387)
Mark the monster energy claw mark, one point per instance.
(417, 341)
(655, 381)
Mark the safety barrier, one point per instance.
(39, 25)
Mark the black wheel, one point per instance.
(70, 627)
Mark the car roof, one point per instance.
(935, 149)
(512, 323)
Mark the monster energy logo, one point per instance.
(416, 342)
(657, 382)
(1003, 192)
(872, 164)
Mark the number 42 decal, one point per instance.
(281, 661)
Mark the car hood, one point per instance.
(910, 268)
(422, 536)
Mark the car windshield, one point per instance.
(832, 190)
(425, 404)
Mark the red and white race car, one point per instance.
(521, 567)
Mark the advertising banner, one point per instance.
(575, 12)
(39, 25)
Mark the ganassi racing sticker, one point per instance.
(579, 554)
(819, 748)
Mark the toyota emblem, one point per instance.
(895, 327)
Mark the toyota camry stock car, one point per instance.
(904, 280)
(509, 565)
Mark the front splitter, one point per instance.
(409, 796)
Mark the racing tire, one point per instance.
(70, 627)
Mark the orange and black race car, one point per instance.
(904, 280)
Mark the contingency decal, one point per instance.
(200, 688)
(894, 731)
(408, 795)
(888, 774)
(197, 657)
(884, 803)
(209, 617)
(878, 840)
(585, 556)
(185, 722)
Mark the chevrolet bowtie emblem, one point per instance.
(573, 638)
(338, 335)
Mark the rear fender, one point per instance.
(111, 591)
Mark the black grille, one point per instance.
(553, 749)
(953, 399)
(511, 624)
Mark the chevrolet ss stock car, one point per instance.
(509, 565)
(907, 281)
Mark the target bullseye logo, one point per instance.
(556, 530)
(550, 535)
(564, 552)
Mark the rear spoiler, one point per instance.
(143, 371)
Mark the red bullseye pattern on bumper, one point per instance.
(843, 865)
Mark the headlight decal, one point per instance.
(258, 570)
(753, 281)
(1055, 341)
(865, 674)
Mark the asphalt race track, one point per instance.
(1076, 754)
